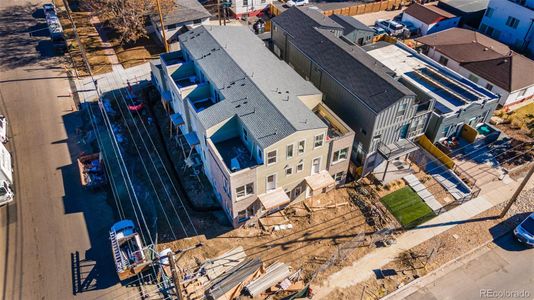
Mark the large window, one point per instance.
(245, 2)
(473, 78)
(289, 151)
(489, 12)
(318, 141)
(271, 157)
(244, 190)
(245, 135)
(340, 155)
(289, 171)
(512, 22)
(443, 60)
(301, 146)
(402, 109)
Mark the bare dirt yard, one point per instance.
(317, 233)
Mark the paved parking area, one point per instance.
(369, 19)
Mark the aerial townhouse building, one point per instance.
(385, 114)
(458, 100)
(262, 133)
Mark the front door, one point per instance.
(271, 183)
(316, 165)
(404, 131)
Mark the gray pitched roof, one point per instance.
(183, 11)
(350, 24)
(257, 87)
(357, 71)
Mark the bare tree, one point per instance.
(127, 17)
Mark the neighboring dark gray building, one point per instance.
(354, 31)
(385, 114)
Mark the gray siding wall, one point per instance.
(454, 121)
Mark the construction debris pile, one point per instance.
(91, 170)
(234, 275)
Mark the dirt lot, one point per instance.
(518, 124)
(92, 43)
(315, 236)
(137, 53)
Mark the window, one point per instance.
(473, 78)
(489, 86)
(271, 183)
(402, 110)
(300, 167)
(171, 26)
(297, 191)
(226, 187)
(301, 146)
(289, 151)
(443, 60)
(289, 171)
(483, 28)
(340, 155)
(316, 165)
(244, 190)
(363, 131)
(489, 12)
(245, 2)
(245, 135)
(522, 93)
(318, 141)
(263, 1)
(338, 177)
(512, 22)
(197, 21)
(271, 157)
(245, 214)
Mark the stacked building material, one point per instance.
(230, 284)
(273, 275)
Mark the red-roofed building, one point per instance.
(429, 18)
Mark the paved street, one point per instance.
(504, 265)
(52, 218)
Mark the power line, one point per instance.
(143, 163)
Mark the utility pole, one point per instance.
(175, 278)
(219, 11)
(517, 192)
(162, 27)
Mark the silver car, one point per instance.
(524, 232)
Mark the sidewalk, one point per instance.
(363, 268)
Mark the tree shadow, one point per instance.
(24, 38)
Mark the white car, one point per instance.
(3, 129)
(297, 2)
(391, 27)
(524, 232)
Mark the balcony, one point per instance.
(336, 127)
(396, 149)
(235, 154)
(172, 58)
(201, 103)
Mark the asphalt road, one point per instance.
(503, 270)
(52, 218)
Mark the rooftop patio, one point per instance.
(235, 154)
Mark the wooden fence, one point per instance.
(440, 155)
(358, 9)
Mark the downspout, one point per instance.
(525, 41)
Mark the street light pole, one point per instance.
(162, 27)
(517, 192)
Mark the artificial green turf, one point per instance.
(407, 207)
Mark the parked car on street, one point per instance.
(391, 27)
(6, 176)
(3, 129)
(291, 3)
(524, 232)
